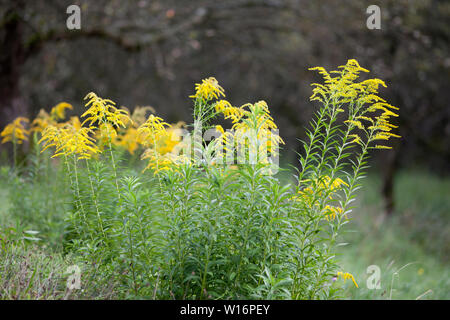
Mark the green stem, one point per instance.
(78, 193)
(94, 198)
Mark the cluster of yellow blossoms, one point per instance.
(104, 123)
(326, 187)
(362, 98)
(253, 128)
(163, 143)
(15, 131)
(253, 133)
(347, 276)
(208, 90)
(70, 139)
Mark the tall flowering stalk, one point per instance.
(103, 112)
(323, 193)
(71, 140)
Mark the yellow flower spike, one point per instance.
(222, 105)
(342, 89)
(382, 147)
(42, 120)
(162, 140)
(68, 139)
(58, 112)
(365, 118)
(103, 111)
(346, 276)
(330, 212)
(152, 129)
(170, 139)
(15, 131)
(356, 139)
(355, 123)
(208, 90)
(220, 129)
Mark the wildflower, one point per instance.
(346, 276)
(254, 130)
(15, 131)
(170, 139)
(103, 111)
(130, 140)
(152, 130)
(163, 145)
(361, 97)
(355, 123)
(158, 162)
(220, 129)
(42, 120)
(105, 133)
(330, 212)
(207, 90)
(68, 139)
(356, 139)
(58, 112)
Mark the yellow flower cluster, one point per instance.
(15, 131)
(129, 140)
(166, 162)
(330, 212)
(208, 90)
(129, 137)
(160, 138)
(152, 129)
(316, 188)
(362, 98)
(59, 111)
(42, 121)
(69, 139)
(340, 88)
(106, 123)
(169, 140)
(324, 183)
(103, 111)
(254, 129)
(229, 112)
(346, 276)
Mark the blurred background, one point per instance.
(150, 52)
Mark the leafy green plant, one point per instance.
(208, 218)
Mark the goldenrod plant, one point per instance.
(205, 216)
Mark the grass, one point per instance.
(411, 248)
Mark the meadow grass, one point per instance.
(411, 247)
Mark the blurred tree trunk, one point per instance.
(390, 165)
(12, 58)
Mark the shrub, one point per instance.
(208, 218)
